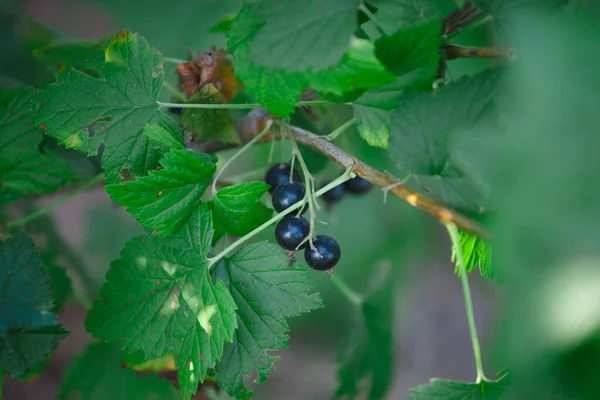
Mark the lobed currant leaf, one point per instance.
(97, 374)
(28, 331)
(237, 210)
(266, 290)
(59, 280)
(166, 198)
(24, 169)
(367, 356)
(109, 111)
(311, 34)
(158, 298)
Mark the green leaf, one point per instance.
(373, 113)
(23, 168)
(58, 57)
(412, 48)
(86, 113)
(266, 290)
(476, 252)
(163, 137)
(165, 199)
(439, 389)
(394, 14)
(301, 35)
(209, 124)
(96, 374)
(423, 122)
(358, 69)
(28, 331)
(159, 298)
(59, 281)
(237, 209)
(447, 6)
(367, 356)
(278, 90)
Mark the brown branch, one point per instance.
(453, 51)
(415, 199)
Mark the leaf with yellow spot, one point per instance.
(159, 299)
(108, 107)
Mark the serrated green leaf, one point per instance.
(358, 69)
(165, 199)
(96, 374)
(476, 252)
(159, 298)
(366, 357)
(423, 122)
(209, 124)
(278, 90)
(58, 57)
(59, 281)
(28, 331)
(163, 137)
(301, 35)
(86, 112)
(237, 209)
(266, 290)
(23, 168)
(415, 47)
(439, 389)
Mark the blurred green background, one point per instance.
(543, 323)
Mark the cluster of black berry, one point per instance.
(293, 228)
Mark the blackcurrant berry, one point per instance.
(290, 231)
(357, 185)
(280, 173)
(334, 194)
(327, 255)
(287, 194)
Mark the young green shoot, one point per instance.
(348, 174)
(346, 290)
(462, 271)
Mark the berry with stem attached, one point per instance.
(325, 255)
(287, 194)
(280, 173)
(357, 185)
(291, 231)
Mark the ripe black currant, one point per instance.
(287, 194)
(334, 194)
(327, 255)
(290, 231)
(280, 173)
(357, 185)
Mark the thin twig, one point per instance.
(415, 199)
(454, 51)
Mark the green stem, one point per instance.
(175, 60)
(455, 237)
(238, 106)
(238, 153)
(341, 129)
(346, 290)
(174, 91)
(44, 210)
(343, 178)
